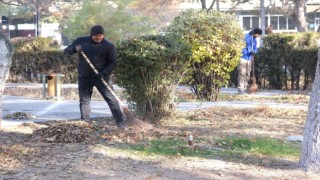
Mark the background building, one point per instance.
(248, 14)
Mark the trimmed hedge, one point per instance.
(36, 56)
(28, 66)
(285, 57)
(149, 69)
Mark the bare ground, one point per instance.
(96, 150)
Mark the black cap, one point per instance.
(97, 29)
(257, 31)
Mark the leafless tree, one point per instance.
(33, 4)
(295, 10)
(37, 7)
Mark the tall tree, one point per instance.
(33, 4)
(299, 17)
(161, 11)
(113, 15)
(295, 10)
(235, 3)
(37, 7)
(310, 159)
(262, 17)
(204, 4)
(6, 52)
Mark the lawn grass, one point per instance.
(227, 148)
(170, 147)
(261, 146)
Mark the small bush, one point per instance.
(26, 44)
(217, 40)
(149, 69)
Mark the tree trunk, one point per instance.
(285, 77)
(263, 21)
(203, 4)
(6, 52)
(263, 18)
(218, 5)
(300, 15)
(310, 159)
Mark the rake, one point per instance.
(129, 114)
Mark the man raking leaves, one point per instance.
(97, 60)
(246, 62)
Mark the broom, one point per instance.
(253, 88)
(129, 114)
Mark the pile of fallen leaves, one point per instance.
(20, 115)
(101, 131)
(66, 132)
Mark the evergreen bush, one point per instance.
(217, 40)
(150, 69)
(285, 56)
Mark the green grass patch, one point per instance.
(225, 148)
(171, 147)
(260, 146)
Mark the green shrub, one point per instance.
(26, 44)
(285, 56)
(217, 40)
(28, 66)
(36, 56)
(149, 69)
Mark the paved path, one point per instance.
(46, 110)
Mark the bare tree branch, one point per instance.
(33, 4)
(203, 4)
(212, 4)
(236, 3)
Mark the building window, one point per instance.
(291, 25)
(274, 22)
(255, 22)
(266, 25)
(246, 23)
(250, 23)
(279, 22)
(282, 23)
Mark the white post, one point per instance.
(263, 21)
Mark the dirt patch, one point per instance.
(97, 150)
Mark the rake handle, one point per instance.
(253, 65)
(129, 114)
(103, 81)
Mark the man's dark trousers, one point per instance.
(85, 86)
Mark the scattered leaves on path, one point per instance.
(20, 116)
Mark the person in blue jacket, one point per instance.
(102, 54)
(244, 67)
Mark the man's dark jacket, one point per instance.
(102, 55)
